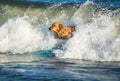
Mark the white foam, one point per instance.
(17, 35)
(96, 40)
(97, 35)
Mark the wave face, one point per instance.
(97, 37)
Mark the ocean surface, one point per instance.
(30, 52)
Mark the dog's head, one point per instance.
(56, 27)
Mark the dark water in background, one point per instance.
(112, 3)
(29, 51)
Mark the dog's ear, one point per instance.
(73, 28)
(60, 26)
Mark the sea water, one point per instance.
(30, 52)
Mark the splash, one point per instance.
(97, 37)
(17, 35)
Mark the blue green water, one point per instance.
(112, 3)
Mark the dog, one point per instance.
(62, 32)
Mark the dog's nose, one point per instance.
(49, 28)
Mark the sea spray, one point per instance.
(97, 35)
(18, 36)
(96, 38)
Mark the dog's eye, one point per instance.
(53, 25)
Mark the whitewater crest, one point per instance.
(97, 35)
(17, 35)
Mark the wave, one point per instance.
(18, 36)
(97, 35)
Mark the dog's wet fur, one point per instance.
(62, 32)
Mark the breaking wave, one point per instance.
(97, 35)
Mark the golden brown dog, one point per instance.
(62, 32)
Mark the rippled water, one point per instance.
(30, 67)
